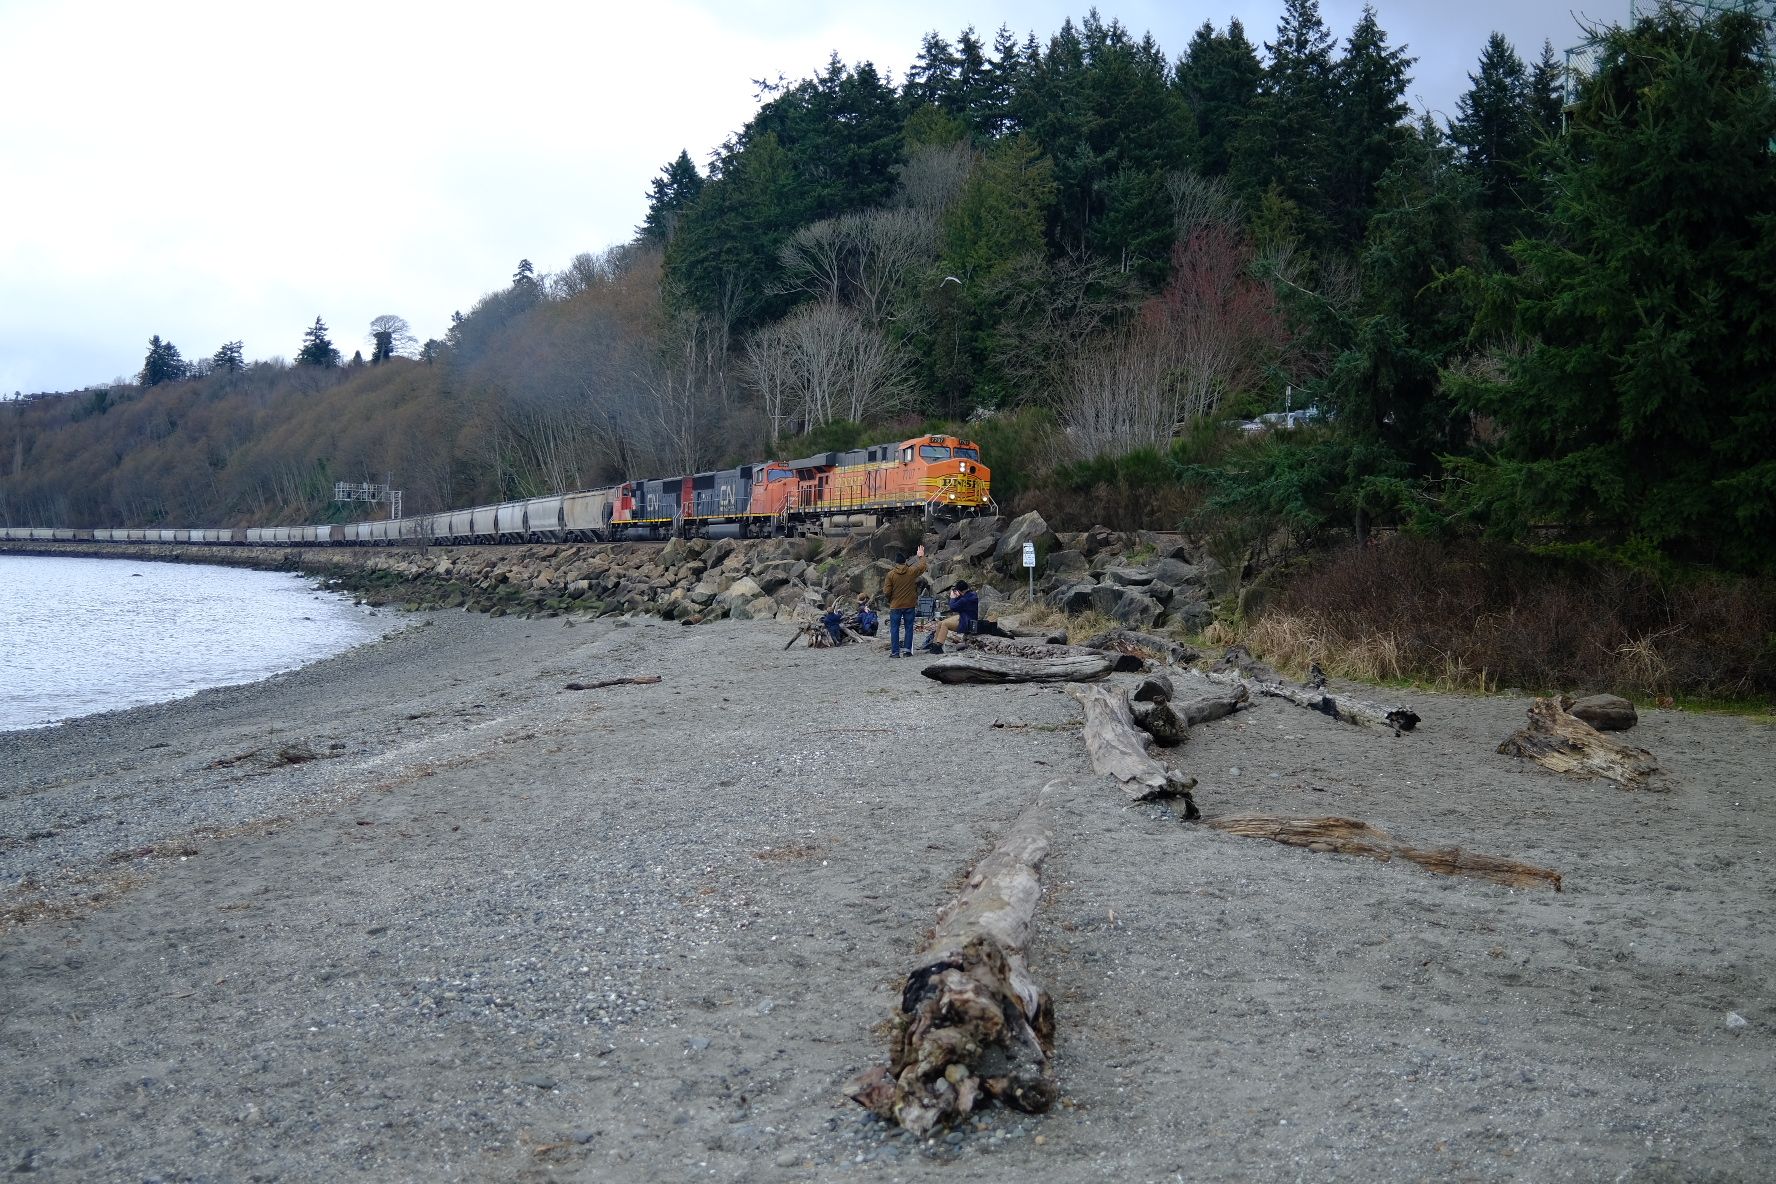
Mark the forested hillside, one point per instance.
(1539, 320)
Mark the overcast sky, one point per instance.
(220, 171)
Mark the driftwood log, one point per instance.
(1558, 740)
(1346, 836)
(638, 680)
(1210, 707)
(973, 1022)
(1159, 721)
(1239, 668)
(980, 666)
(1022, 648)
(1151, 645)
(1119, 750)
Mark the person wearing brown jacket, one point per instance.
(902, 590)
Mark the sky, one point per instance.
(212, 172)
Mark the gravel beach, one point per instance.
(416, 912)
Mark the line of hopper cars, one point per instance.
(938, 476)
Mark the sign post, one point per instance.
(1030, 566)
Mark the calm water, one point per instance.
(85, 635)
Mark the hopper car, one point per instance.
(935, 476)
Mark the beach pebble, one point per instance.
(1735, 1020)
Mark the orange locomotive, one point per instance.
(937, 476)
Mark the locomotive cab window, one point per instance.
(906, 456)
(933, 452)
(778, 475)
(968, 453)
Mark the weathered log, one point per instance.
(1121, 663)
(978, 666)
(1159, 721)
(1398, 718)
(1346, 836)
(1212, 707)
(973, 1021)
(1118, 750)
(1156, 688)
(1561, 741)
(639, 680)
(1133, 641)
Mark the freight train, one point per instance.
(936, 476)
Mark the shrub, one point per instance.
(1477, 616)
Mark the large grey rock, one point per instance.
(1097, 539)
(1192, 615)
(1166, 544)
(1073, 598)
(718, 551)
(1030, 528)
(1106, 598)
(762, 608)
(1068, 562)
(1175, 573)
(978, 550)
(1606, 713)
(1137, 610)
(976, 529)
(741, 591)
(1129, 577)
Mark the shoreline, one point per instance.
(175, 678)
(509, 931)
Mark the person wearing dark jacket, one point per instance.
(964, 617)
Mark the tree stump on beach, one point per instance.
(973, 1022)
(1558, 740)
(1347, 836)
(1119, 751)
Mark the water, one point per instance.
(85, 635)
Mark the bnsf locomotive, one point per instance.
(935, 476)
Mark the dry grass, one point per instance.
(1471, 618)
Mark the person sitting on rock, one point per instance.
(964, 617)
(867, 620)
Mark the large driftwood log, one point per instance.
(1152, 645)
(1558, 740)
(1346, 836)
(1211, 707)
(1238, 668)
(1119, 751)
(1159, 721)
(1022, 648)
(979, 666)
(973, 1022)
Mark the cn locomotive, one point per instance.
(934, 476)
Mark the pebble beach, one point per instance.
(417, 912)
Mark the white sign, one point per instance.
(1029, 554)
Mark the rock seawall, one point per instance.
(1143, 580)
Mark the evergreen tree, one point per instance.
(228, 359)
(1643, 402)
(934, 78)
(1371, 124)
(1004, 76)
(317, 349)
(1547, 90)
(1218, 76)
(163, 363)
(1495, 127)
(670, 194)
(1289, 138)
(1101, 105)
